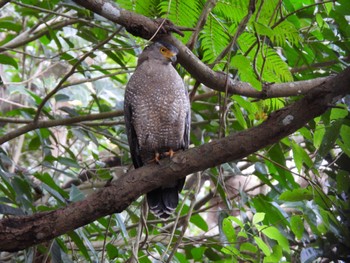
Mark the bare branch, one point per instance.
(136, 24)
(51, 123)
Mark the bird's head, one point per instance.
(159, 50)
(167, 50)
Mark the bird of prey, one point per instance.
(157, 118)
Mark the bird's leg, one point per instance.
(169, 153)
(156, 158)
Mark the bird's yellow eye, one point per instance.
(163, 50)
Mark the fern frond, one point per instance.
(231, 10)
(148, 8)
(285, 31)
(275, 69)
(245, 41)
(144, 7)
(274, 104)
(245, 70)
(181, 12)
(267, 9)
(214, 39)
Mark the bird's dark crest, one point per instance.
(169, 46)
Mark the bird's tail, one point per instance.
(163, 201)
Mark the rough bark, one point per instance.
(17, 233)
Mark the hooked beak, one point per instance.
(171, 56)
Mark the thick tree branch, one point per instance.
(17, 233)
(136, 24)
(145, 27)
(270, 91)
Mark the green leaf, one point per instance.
(230, 250)
(236, 220)
(68, 162)
(275, 256)
(80, 244)
(258, 217)
(9, 210)
(75, 194)
(261, 244)
(330, 136)
(338, 113)
(50, 185)
(283, 176)
(181, 257)
(112, 251)
(34, 143)
(8, 23)
(300, 156)
(249, 247)
(262, 29)
(297, 226)
(8, 61)
(345, 136)
(318, 135)
(198, 252)
(214, 39)
(229, 230)
(274, 215)
(295, 195)
(245, 70)
(199, 222)
(273, 233)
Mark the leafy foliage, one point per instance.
(288, 202)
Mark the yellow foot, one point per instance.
(156, 158)
(170, 153)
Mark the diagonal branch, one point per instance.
(145, 27)
(17, 232)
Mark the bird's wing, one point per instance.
(132, 137)
(187, 121)
(187, 130)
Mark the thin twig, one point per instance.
(239, 31)
(209, 5)
(105, 239)
(187, 220)
(71, 71)
(51, 123)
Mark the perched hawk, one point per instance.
(157, 118)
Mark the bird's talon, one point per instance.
(157, 158)
(170, 153)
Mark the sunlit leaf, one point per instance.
(258, 217)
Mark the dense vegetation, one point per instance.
(288, 202)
